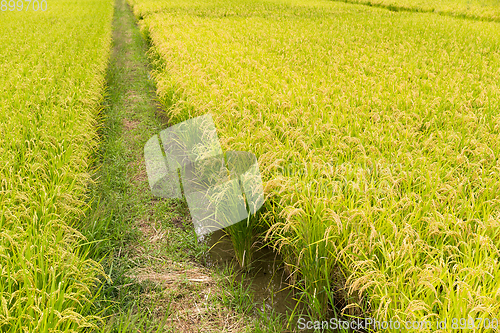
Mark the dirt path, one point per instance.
(148, 245)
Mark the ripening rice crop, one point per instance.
(377, 135)
(488, 10)
(52, 66)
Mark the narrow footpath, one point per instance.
(147, 245)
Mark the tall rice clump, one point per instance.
(52, 67)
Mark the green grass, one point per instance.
(52, 83)
(389, 124)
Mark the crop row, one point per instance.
(52, 67)
(488, 10)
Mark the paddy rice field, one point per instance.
(52, 67)
(377, 134)
(485, 10)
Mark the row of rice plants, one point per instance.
(377, 133)
(488, 10)
(52, 67)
